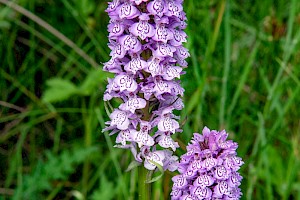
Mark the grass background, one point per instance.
(243, 76)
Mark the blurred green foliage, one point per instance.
(243, 76)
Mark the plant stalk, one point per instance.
(144, 188)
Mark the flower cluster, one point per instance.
(147, 58)
(209, 169)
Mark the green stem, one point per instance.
(144, 188)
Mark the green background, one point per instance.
(243, 76)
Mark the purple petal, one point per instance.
(172, 72)
(115, 29)
(182, 52)
(221, 173)
(201, 193)
(190, 174)
(125, 82)
(178, 37)
(156, 157)
(153, 66)
(166, 141)
(142, 138)
(113, 65)
(176, 88)
(135, 64)
(171, 163)
(132, 104)
(131, 43)
(176, 194)
(128, 11)
(221, 188)
(196, 165)
(204, 181)
(209, 163)
(124, 136)
(138, 2)
(179, 181)
(174, 9)
(120, 119)
(142, 29)
(156, 7)
(112, 5)
(118, 51)
(162, 34)
(188, 197)
(164, 50)
(168, 124)
(234, 180)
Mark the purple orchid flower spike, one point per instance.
(209, 168)
(147, 58)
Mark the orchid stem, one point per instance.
(144, 188)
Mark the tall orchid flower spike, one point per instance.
(209, 169)
(147, 58)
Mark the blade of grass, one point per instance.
(207, 58)
(265, 157)
(242, 80)
(51, 29)
(288, 49)
(227, 54)
(56, 46)
(83, 25)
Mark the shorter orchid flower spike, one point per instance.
(209, 168)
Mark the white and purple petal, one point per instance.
(166, 141)
(179, 181)
(153, 159)
(182, 52)
(162, 34)
(130, 43)
(154, 67)
(119, 119)
(128, 11)
(157, 7)
(142, 138)
(168, 124)
(204, 181)
(135, 64)
(201, 193)
(132, 104)
(220, 189)
(124, 136)
(221, 173)
(142, 29)
(171, 72)
(125, 82)
(115, 29)
(174, 8)
(164, 50)
(178, 37)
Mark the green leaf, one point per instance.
(85, 7)
(133, 165)
(59, 90)
(92, 82)
(105, 191)
(4, 24)
(161, 172)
